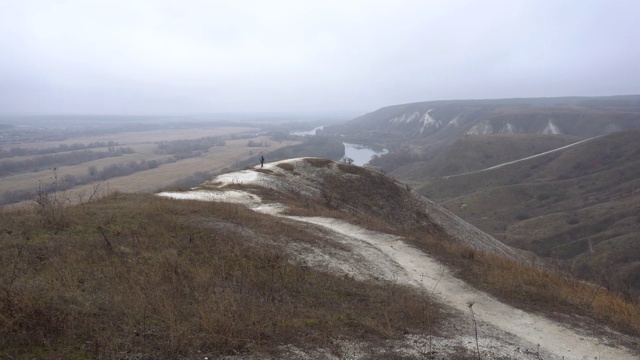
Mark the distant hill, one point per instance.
(427, 127)
(472, 153)
(580, 204)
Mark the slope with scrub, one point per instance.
(578, 204)
(401, 230)
(303, 258)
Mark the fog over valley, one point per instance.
(191, 57)
(361, 179)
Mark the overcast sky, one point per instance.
(182, 57)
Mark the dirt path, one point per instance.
(523, 159)
(371, 254)
(418, 269)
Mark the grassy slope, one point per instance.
(379, 203)
(137, 274)
(579, 204)
(478, 152)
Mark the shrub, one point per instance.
(318, 162)
(286, 166)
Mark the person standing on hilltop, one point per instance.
(261, 161)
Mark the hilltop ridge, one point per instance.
(302, 258)
(342, 187)
(299, 190)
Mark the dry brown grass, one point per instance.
(317, 162)
(543, 290)
(530, 287)
(548, 292)
(286, 166)
(132, 275)
(143, 137)
(579, 205)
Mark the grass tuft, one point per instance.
(319, 162)
(286, 166)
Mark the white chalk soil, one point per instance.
(504, 332)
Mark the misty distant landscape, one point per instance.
(76, 153)
(551, 182)
(319, 180)
(578, 204)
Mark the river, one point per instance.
(361, 154)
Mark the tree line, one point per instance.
(94, 174)
(183, 149)
(56, 160)
(19, 151)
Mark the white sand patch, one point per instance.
(287, 161)
(455, 121)
(243, 177)
(508, 128)
(232, 196)
(405, 118)
(270, 209)
(551, 128)
(481, 128)
(429, 122)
